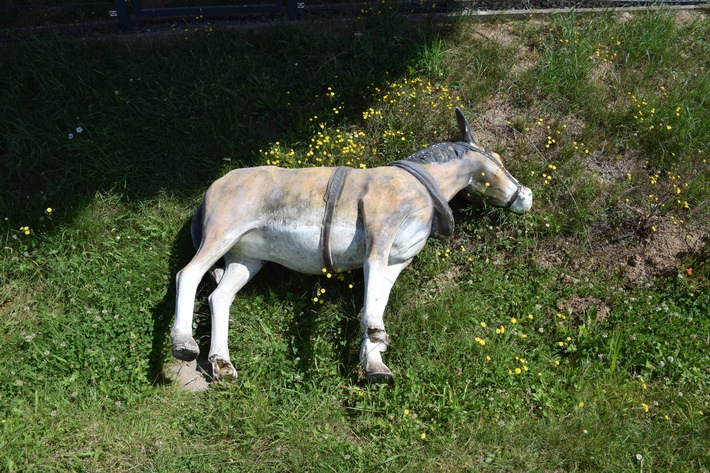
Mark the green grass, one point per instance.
(573, 338)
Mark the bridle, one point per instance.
(488, 154)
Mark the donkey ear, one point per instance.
(464, 128)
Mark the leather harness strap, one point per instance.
(332, 195)
(444, 223)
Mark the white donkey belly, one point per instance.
(298, 247)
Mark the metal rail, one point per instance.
(18, 5)
(273, 8)
(128, 9)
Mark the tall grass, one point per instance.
(521, 344)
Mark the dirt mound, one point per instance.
(579, 306)
(661, 253)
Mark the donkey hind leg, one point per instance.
(217, 270)
(237, 273)
(378, 284)
(184, 346)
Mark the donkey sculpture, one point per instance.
(306, 219)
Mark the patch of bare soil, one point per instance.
(493, 122)
(547, 256)
(581, 305)
(609, 169)
(508, 35)
(639, 261)
(660, 254)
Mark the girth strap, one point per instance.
(444, 223)
(332, 195)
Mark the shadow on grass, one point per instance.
(180, 255)
(143, 117)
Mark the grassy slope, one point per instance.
(522, 344)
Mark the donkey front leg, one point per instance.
(379, 279)
(237, 273)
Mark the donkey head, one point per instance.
(490, 181)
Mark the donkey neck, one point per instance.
(452, 176)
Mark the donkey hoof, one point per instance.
(185, 348)
(378, 373)
(223, 368)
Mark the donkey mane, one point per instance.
(440, 153)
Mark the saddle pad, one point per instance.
(444, 218)
(332, 195)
